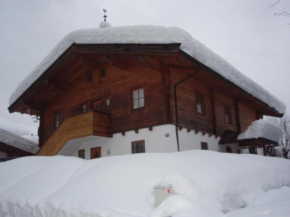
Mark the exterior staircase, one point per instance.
(93, 123)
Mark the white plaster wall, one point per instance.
(155, 141)
(3, 154)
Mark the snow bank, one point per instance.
(274, 203)
(262, 129)
(18, 142)
(151, 35)
(122, 186)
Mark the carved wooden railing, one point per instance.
(91, 123)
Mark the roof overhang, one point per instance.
(237, 91)
(73, 56)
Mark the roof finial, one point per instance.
(105, 16)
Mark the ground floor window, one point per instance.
(95, 152)
(138, 146)
(204, 146)
(82, 153)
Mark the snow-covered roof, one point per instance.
(145, 34)
(17, 141)
(262, 129)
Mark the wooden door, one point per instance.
(96, 105)
(96, 152)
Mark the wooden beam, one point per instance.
(214, 130)
(237, 114)
(148, 49)
(150, 128)
(136, 130)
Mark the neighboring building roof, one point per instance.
(151, 35)
(16, 141)
(262, 129)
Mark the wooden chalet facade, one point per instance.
(102, 91)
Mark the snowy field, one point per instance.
(206, 184)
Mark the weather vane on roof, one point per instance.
(105, 16)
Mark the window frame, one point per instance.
(132, 98)
(228, 114)
(137, 141)
(199, 100)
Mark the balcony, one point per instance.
(93, 123)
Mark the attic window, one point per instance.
(228, 116)
(89, 77)
(102, 72)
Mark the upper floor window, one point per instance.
(200, 104)
(83, 107)
(89, 77)
(57, 119)
(138, 147)
(138, 98)
(102, 72)
(228, 116)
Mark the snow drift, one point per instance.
(150, 35)
(206, 184)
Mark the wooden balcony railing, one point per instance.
(91, 123)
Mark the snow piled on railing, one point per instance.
(205, 183)
(262, 129)
(151, 35)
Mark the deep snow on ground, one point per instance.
(206, 184)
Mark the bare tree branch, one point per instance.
(273, 5)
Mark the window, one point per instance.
(138, 147)
(83, 107)
(204, 146)
(102, 72)
(138, 98)
(57, 119)
(200, 104)
(82, 153)
(96, 152)
(96, 105)
(89, 77)
(228, 117)
(228, 149)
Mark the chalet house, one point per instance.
(121, 90)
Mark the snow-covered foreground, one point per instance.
(206, 184)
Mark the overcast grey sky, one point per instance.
(244, 32)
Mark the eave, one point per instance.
(22, 104)
(268, 110)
